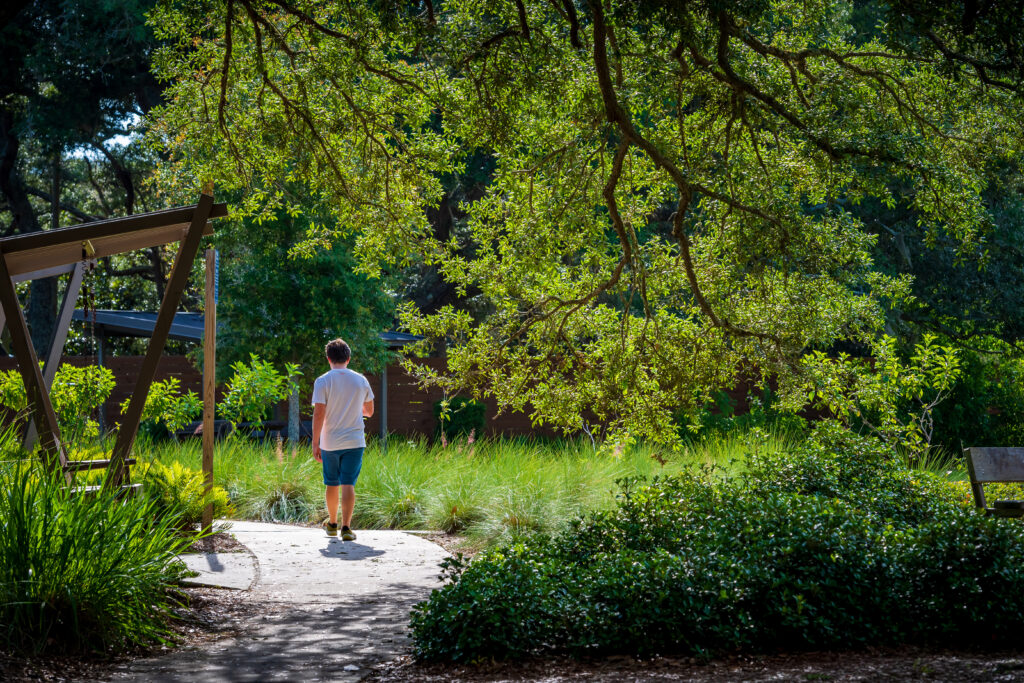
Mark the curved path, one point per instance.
(334, 608)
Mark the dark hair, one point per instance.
(338, 351)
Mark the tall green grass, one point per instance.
(941, 461)
(489, 491)
(81, 572)
(262, 483)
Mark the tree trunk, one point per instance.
(42, 302)
(156, 262)
(42, 297)
(41, 313)
(294, 428)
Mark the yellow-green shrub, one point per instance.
(180, 492)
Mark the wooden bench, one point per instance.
(72, 466)
(122, 491)
(996, 466)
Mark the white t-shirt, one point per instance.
(343, 392)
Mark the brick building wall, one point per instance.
(126, 372)
(410, 409)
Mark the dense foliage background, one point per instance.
(643, 203)
(636, 204)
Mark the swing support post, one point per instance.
(209, 382)
(68, 250)
(187, 251)
(60, 336)
(54, 455)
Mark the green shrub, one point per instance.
(77, 572)
(986, 405)
(859, 471)
(76, 394)
(179, 493)
(833, 546)
(718, 416)
(460, 416)
(12, 391)
(254, 389)
(167, 408)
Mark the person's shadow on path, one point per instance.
(349, 550)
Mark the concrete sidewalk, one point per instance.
(338, 607)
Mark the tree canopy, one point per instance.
(284, 310)
(75, 81)
(676, 189)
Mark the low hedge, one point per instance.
(832, 546)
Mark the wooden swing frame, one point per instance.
(67, 250)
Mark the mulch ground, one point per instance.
(453, 543)
(218, 543)
(217, 617)
(898, 665)
(205, 615)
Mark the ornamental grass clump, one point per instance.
(276, 500)
(95, 573)
(391, 500)
(455, 507)
(285, 501)
(833, 546)
(490, 491)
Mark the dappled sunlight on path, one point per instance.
(330, 609)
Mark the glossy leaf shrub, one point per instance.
(831, 547)
(76, 395)
(460, 417)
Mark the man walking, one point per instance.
(341, 399)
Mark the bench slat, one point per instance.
(1000, 512)
(127, 490)
(997, 464)
(82, 465)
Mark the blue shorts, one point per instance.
(341, 467)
